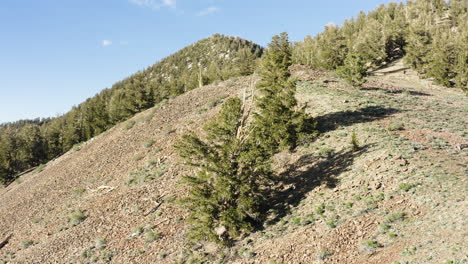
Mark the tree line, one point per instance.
(28, 143)
(431, 36)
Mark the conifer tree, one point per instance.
(370, 44)
(441, 59)
(276, 123)
(354, 70)
(224, 198)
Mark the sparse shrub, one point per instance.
(142, 175)
(297, 220)
(395, 126)
(247, 253)
(149, 143)
(78, 192)
(393, 217)
(87, 253)
(320, 209)
(107, 256)
(77, 147)
(325, 152)
(216, 101)
(27, 243)
(324, 253)
(332, 223)
(372, 244)
(348, 204)
(138, 231)
(76, 217)
(392, 235)
(151, 236)
(404, 186)
(40, 168)
(129, 124)
(379, 197)
(354, 142)
(385, 228)
(371, 203)
(409, 251)
(138, 157)
(101, 244)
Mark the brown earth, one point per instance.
(401, 198)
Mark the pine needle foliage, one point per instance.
(224, 192)
(354, 142)
(277, 123)
(354, 70)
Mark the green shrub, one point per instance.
(149, 143)
(332, 223)
(395, 126)
(405, 186)
(76, 217)
(101, 244)
(320, 209)
(78, 192)
(372, 244)
(393, 217)
(151, 236)
(354, 142)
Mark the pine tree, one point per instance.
(224, 198)
(442, 58)
(276, 123)
(370, 44)
(332, 48)
(9, 160)
(354, 70)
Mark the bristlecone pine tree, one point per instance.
(234, 158)
(224, 198)
(277, 123)
(354, 71)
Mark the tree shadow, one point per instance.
(305, 175)
(395, 91)
(335, 120)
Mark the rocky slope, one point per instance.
(399, 198)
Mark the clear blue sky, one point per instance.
(56, 53)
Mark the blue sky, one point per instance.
(56, 53)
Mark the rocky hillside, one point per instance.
(28, 143)
(399, 197)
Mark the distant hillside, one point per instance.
(28, 143)
(432, 36)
